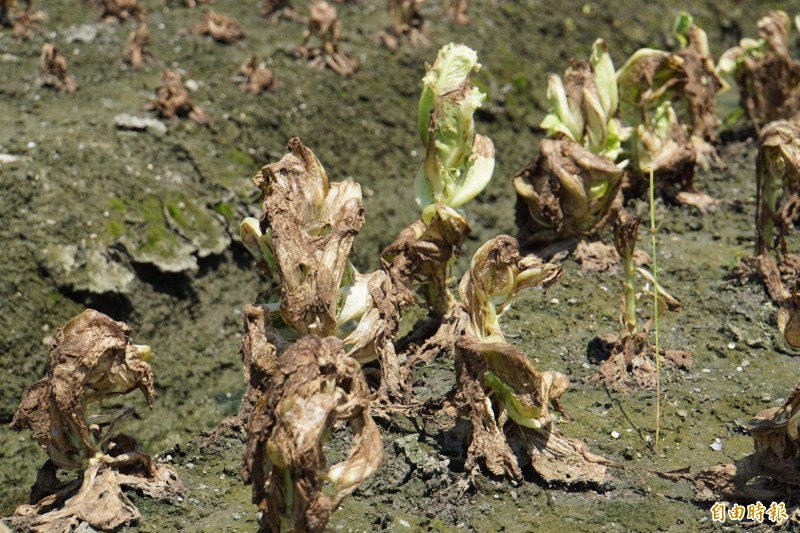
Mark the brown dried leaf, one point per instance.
(54, 69)
(91, 358)
(172, 100)
(135, 54)
(421, 257)
(314, 386)
(554, 199)
(496, 274)
(221, 28)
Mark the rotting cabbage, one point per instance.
(655, 87)
(498, 388)
(304, 237)
(91, 359)
(314, 387)
(572, 188)
(458, 165)
(768, 77)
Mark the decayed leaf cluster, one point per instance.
(91, 358)
(135, 53)
(116, 10)
(21, 21)
(629, 359)
(305, 236)
(504, 397)
(314, 387)
(669, 99)
(172, 100)
(54, 69)
(406, 22)
(255, 79)
(219, 27)
(777, 207)
(572, 188)
(457, 11)
(767, 75)
(554, 193)
(324, 25)
(277, 9)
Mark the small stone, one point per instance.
(404, 523)
(192, 85)
(615, 434)
(554, 301)
(731, 345)
(716, 446)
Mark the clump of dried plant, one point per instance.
(458, 165)
(172, 100)
(21, 21)
(572, 189)
(629, 359)
(115, 10)
(406, 22)
(304, 237)
(768, 77)
(135, 53)
(324, 25)
(54, 69)
(503, 396)
(313, 388)
(777, 206)
(457, 11)
(656, 87)
(254, 78)
(91, 358)
(219, 27)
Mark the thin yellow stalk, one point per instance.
(655, 308)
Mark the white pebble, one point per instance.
(615, 434)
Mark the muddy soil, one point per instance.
(142, 225)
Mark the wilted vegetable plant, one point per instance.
(656, 88)
(630, 363)
(458, 165)
(572, 188)
(777, 205)
(504, 397)
(324, 25)
(313, 387)
(304, 236)
(768, 77)
(91, 359)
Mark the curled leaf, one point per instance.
(314, 387)
(566, 192)
(496, 275)
(312, 224)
